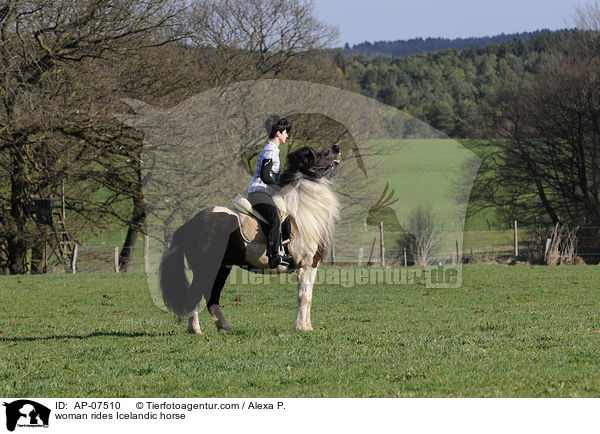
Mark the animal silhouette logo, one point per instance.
(382, 211)
(26, 413)
(186, 161)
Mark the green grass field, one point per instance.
(423, 171)
(508, 332)
(427, 172)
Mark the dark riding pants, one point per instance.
(263, 203)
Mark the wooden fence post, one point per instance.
(146, 247)
(360, 256)
(458, 258)
(405, 262)
(371, 252)
(516, 240)
(74, 263)
(382, 247)
(116, 259)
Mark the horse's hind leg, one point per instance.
(218, 318)
(194, 325)
(213, 302)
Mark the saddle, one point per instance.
(248, 220)
(249, 217)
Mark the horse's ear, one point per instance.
(302, 157)
(308, 155)
(293, 159)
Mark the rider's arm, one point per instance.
(266, 174)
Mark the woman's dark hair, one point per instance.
(276, 124)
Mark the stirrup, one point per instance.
(275, 261)
(285, 260)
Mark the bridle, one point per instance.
(312, 170)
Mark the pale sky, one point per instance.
(388, 20)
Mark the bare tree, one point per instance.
(587, 17)
(64, 66)
(251, 39)
(421, 224)
(230, 42)
(43, 134)
(542, 165)
(549, 142)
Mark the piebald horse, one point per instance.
(212, 242)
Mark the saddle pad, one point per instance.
(243, 205)
(249, 227)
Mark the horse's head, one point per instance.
(310, 164)
(327, 161)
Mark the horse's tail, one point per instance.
(176, 291)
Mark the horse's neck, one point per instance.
(314, 209)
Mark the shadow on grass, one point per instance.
(81, 337)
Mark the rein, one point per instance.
(312, 170)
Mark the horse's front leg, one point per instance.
(306, 280)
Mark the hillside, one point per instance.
(446, 88)
(409, 47)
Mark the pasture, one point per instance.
(507, 332)
(423, 171)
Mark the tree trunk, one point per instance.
(126, 255)
(37, 257)
(135, 226)
(17, 245)
(17, 255)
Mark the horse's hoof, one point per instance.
(218, 318)
(194, 326)
(195, 331)
(224, 329)
(303, 327)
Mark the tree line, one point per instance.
(425, 45)
(446, 88)
(536, 105)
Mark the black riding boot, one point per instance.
(275, 258)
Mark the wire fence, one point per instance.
(374, 248)
(529, 243)
(105, 257)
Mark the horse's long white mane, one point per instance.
(314, 209)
